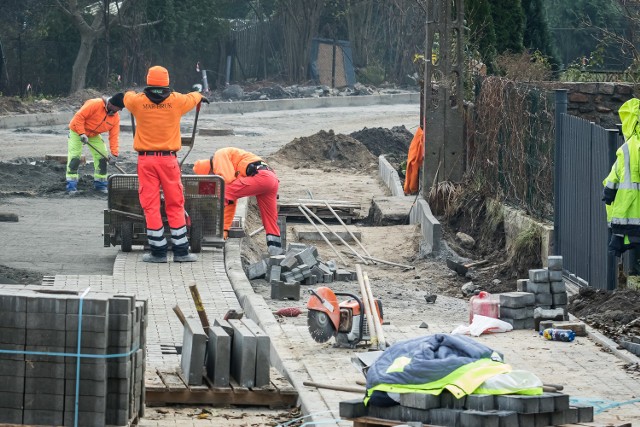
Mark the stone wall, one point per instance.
(597, 102)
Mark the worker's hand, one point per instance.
(84, 138)
(204, 100)
(112, 159)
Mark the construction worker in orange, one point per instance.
(96, 116)
(414, 162)
(246, 174)
(157, 110)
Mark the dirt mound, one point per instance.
(15, 275)
(10, 105)
(29, 177)
(615, 313)
(390, 142)
(326, 149)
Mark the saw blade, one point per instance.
(320, 326)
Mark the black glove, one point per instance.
(204, 100)
(84, 138)
(112, 159)
(252, 169)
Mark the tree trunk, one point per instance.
(79, 71)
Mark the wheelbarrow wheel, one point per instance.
(126, 236)
(195, 237)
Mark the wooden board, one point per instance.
(344, 209)
(166, 387)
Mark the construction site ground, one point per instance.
(60, 236)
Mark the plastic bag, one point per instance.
(483, 324)
(517, 382)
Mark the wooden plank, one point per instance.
(279, 394)
(152, 381)
(173, 381)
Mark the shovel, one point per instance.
(462, 268)
(106, 158)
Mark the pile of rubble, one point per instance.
(299, 265)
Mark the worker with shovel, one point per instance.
(96, 116)
(157, 110)
(245, 174)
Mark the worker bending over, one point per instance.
(96, 116)
(245, 174)
(158, 110)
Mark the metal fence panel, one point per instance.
(582, 227)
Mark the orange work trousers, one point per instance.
(264, 186)
(155, 172)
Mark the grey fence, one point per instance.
(584, 154)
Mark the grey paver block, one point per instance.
(194, 346)
(243, 354)
(521, 285)
(539, 287)
(14, 416)
(257, 270)
(49, 402)
(559, 299)
(558, 287)
(517, 313)
(555, 275)
(218, 356)
(12, 400)
(480, 402)
(544, 299)
(52, 418)
(274, 273)
(420, 400)
(445, 417)
(555, 262)
(516, 299)
(585, 413)
(479, 419)
(448, 400)
(306, 257)
(538, 275)
(352, 408)
(421, 416)
(518, 403)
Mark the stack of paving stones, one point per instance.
(516, 308)
(40, 389)
(510, 410)
(234, 349)
(300, 265)
(549, 292)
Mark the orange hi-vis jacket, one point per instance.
(92, 120)
(414, 162)
(231, 162)
(158, 129)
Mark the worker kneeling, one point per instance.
(245, 174)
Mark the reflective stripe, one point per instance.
(180, 241)
(273, 240)
(155, 233)
(627, 164)
(611, 185)
(157, 243)
(179, 236)
(626, 185)
(625, 221)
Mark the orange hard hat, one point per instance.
(202, 167)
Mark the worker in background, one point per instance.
(622, 185)
(245, 174)
(96, 116)
(157, 110)
(415, 158)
